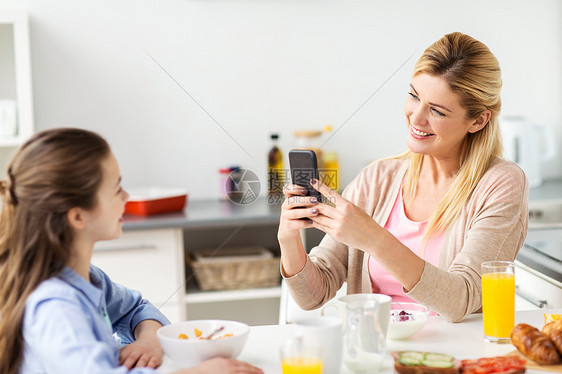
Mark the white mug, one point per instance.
(8, 118)
(384, 302)
(327, 334)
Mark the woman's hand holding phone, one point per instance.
(296, 211)
(295, 215)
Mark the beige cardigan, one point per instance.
(492, 226)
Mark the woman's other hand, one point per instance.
(343, 220)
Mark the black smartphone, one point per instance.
(304, 167)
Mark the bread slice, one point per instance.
(412, 362)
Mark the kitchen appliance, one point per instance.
(527, 144)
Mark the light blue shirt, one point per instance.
(69, 323)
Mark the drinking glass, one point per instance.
(300, 358)
(326, 333)
(498, 300)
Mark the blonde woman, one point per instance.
(418, 226)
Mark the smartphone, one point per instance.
(304, 167)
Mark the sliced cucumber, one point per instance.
(411, 358)
(438, 364)
(438, 357)
(408, 361)
(413, 354)
(434, 360)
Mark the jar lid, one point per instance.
(307, 133)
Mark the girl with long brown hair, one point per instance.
(59, 313)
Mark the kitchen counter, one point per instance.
(217, 213)
(550, 190)
(208, 214)
(213, 213)
(463, 340)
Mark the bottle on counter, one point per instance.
(328, 163)
(224, 182)
(275, 172)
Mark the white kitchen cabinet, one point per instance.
(255, 306)
(150, 261)
(534, 290)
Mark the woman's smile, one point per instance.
(418, 134)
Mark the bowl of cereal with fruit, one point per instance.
(406, 319)
(188, 343)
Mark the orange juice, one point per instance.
(498, 304)
(302, 365)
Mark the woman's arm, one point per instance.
(350, 225)
(294, 216)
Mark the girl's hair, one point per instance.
(473, 73)
(51, 173)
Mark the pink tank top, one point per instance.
(410, 233)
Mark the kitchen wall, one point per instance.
(181, 88)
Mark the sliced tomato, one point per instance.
(495, 365)
(484, 369)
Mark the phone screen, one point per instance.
(304, 167)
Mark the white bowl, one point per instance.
(404, 326)
(192, 351)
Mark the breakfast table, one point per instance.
(463, 340)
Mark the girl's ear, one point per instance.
(75, 217)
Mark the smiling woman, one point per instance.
(418, 226)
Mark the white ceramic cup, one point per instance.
(327, 334)
(384, 302)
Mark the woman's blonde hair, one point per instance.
(51, 173)
(473, 73)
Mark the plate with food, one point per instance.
(415, 362)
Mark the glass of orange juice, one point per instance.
(498, 300)
(298, 358)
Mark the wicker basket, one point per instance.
(235, 268)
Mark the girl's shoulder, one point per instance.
(52, 289)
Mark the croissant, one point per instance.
(554, 331)
(534, 344)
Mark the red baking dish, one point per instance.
(154, 200)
